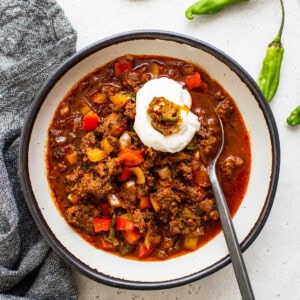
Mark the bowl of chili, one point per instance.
(109, 185)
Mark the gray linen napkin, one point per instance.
(35, 37)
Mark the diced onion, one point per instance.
(114, 200)
(164, 173)
(129, 184)
(125, 140)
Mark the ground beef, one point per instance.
(88, 141)
(130, 108)
(165, 196)
(74, 176)
(141, 218)
(113, 125)
(185, 170)
(128, 193)
(230, 165)
(82, 216)
(195, 194)
(91, 185)
(108, 168)
(219, 95)
(209, 132)
(224, 109)
(111, 89)
(130, 80)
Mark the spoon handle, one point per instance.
(231, 240)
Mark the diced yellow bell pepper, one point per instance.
(99, 97)
(190, 242)
(72, 157)
(85, 109)
(120, 99)
(155, 69)
(147, 239)
(155, 204)
(95, 154)
(140, 177)
(106, 146)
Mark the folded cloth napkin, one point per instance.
(35, 37)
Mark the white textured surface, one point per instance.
(243, 32)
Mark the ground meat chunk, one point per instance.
(131, 80)
(113, 167)
(176, 226)
(81, 216)
(210, 211)
(195, 194)
(130, 110)
(91, 185)
(164, 196)
(208, 132)
(152, 158)
(224, 109)
(74, 176)
(109, 168)
(114, 124)
(110, 90)
(140, 218)
(88, 141)
(128, 193)
(168, 194)
(219, 95)
(185, 169)
(230, 165)
(142, 190)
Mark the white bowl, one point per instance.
(248, 220)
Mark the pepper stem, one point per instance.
(278, 36)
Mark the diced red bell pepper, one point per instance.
(102, 224)
(90, 122)
(143, 251)
(131, 157)
(124, 175)
(124, 224)
(104, 209)
(132, 236)
(193, 81)
(122, 66)
(145, 203)
(105, 245)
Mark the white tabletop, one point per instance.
(243, 32)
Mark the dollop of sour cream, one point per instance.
(174, 92)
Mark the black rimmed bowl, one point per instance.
(248, 220)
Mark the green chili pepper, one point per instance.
(208, 7)
(170, 112)
(112, 232)
(294, 118)
(269, 76)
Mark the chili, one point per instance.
(123, 196)
(294, 118)
(269, 76)
(207, 7)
